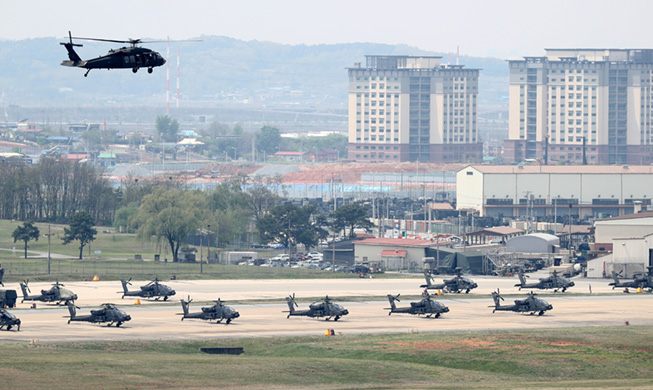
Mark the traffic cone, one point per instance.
(138, 302)
(639, 290)
(439, 292)
(96, 279)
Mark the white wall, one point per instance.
(608, 230)
(469, 189)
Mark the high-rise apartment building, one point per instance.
(405, 108)
(582, 105)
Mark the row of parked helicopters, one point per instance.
(460, 283)
(324, 308)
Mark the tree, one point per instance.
(81, 228)
(124, 217)
(26, 233)
(167, 128)
(268, 139)
(350, 217)
(170, 214)
(260, 200)
(291, 225)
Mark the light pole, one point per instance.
(208, 244)
(49, 257)
(201, 263)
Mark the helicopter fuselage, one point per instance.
(123, 58)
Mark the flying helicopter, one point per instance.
(323, 308)
(8, 320)
(153, 289)
(425, 306)
(218, 312)
(554, 281)
(456, 284)
(131, 57)
(530, 304)
(643, 281)
(108, 313)
(56, 293)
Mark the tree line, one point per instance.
(54, 190)
(164, 211)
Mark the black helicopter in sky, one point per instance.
(129, 57)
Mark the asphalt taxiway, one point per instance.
(586, 304)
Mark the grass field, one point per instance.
(592, 358)
(116, 260)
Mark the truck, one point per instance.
(8, 298)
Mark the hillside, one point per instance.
(218, 70)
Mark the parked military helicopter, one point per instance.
(456, 284)
(218, 312)
(323, 308)
(643, 281)
(554, 281)
(132, 57)
(8, 320)
(530, 304)
(153, 289)
(108, 313)
(56, 294)
(425, 306)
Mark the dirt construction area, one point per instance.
(589, 303)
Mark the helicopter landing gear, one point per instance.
(86, 74)
(149, 70)
(134, 70)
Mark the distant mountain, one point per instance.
(217, 70)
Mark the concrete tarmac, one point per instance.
(154, 320)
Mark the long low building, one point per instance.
(393, 254)
(597, 191)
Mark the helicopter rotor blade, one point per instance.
(166, 41)
(107, 40)
(133, 41)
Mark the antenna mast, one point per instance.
(168, 78)
(177, 75)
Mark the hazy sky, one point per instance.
(500, 28)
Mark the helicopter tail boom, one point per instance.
(75, 59)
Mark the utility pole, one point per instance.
(208, 245)
(49, 257)
(201, 263)
(333, 252)
(569, 232)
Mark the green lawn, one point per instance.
(596, 358)
(116, 260)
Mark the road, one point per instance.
(159, 321)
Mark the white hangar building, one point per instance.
(576, 190)
(629, 238)
(534, 243)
